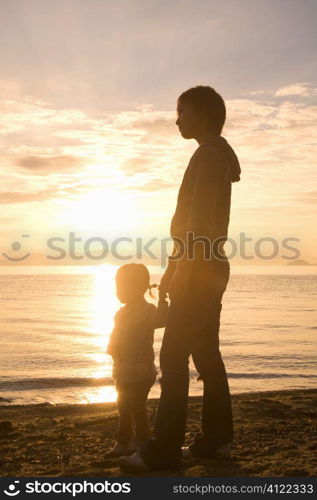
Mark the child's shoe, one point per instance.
(134, 463)
(119, 450)
(135, 444)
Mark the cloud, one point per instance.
(22, 197)
(160, 125)
(157, 184)
(297, 89)
(136, 165)
(141, 150)
(310, 197)
(55, 190)
(257, 92)
(40, 165)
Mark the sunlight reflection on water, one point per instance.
(106, 394)
(56, 327)
(103, 305)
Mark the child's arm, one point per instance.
(113, 339)
(111, 344)
(160, 314)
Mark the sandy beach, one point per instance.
(275, 435)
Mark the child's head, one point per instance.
(132, 281)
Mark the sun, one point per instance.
(105, 209)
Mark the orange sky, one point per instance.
(79, 153)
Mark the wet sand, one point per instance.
(275, 435)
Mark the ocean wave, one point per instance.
(68, 382)
(53, 383)
(272, 375)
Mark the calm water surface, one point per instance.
(55, 325)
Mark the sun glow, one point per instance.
(105, 210)
(103, 306)
(105, 302)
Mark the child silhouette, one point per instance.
(131, 347)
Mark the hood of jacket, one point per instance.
(226, 150)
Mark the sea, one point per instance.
(56, 321)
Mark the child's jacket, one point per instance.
(131, 340)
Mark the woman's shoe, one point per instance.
(223, 452)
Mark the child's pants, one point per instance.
(132, 410)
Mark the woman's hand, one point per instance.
(166, 279)
(179, 286)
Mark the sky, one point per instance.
(88, 90)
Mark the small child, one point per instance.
(131, 347)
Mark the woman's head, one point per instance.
(200, 109)
(132, 281)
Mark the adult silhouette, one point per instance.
(195, 279)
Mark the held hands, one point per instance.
(176, 284)
(163, 287)
(166, 278)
